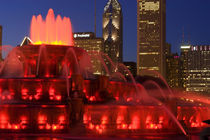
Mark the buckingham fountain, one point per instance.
(46, 86)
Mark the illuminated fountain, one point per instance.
(38, 78)
(56, 31)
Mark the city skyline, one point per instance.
(180, 16)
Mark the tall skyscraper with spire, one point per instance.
(151, 35)
(113, 30)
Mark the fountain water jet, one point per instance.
(52, 30)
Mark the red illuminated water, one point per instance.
(52, 30)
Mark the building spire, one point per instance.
(114, 3)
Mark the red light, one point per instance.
(23, 126)
(9, 126)
(52, 91)
(103, 126)
(91, 126)
(160, 126)
(24, 91)
(61, 119)
(42, 119)
(24, 97)
(129, 99)
(97, 127)
(61, 127)
(58, 97)
(16, 127)
(104, 120)
(92, 98)
(151, 125)
(9, 97)
(48, 126)
(39, 90)
(3, 97)
(135, 122)
(36, 97)
(85, 118)
(30, 97)
(119, 119)
(124, 126)
(117, 98)
(54, 127)
(2, 126)
(41, 127)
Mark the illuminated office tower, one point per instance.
(151, 35)
(196, 68)
(90, 43)
(113, 31)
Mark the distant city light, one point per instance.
(185, 47)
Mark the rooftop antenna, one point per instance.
(183, 42)
(95, 18)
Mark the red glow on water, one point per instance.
(53, 30)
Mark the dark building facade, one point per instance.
(92, 45)
(113, 31)
(151, 35)
(132, 67)
(173, 71)
(196, 68)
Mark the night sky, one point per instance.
(189, 16)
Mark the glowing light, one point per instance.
(58, 97)
(54, 127)
(48, 126)
(185, 47)
(61, 119)
(42, 119)
(91, 126)
(104, 120)
(52, 91)
(92, 98)
(54, 31)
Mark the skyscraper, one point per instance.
(113, 30)
(151, 35)
(90, 43)
(173, 71)
(0, 42)
(196, 68)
